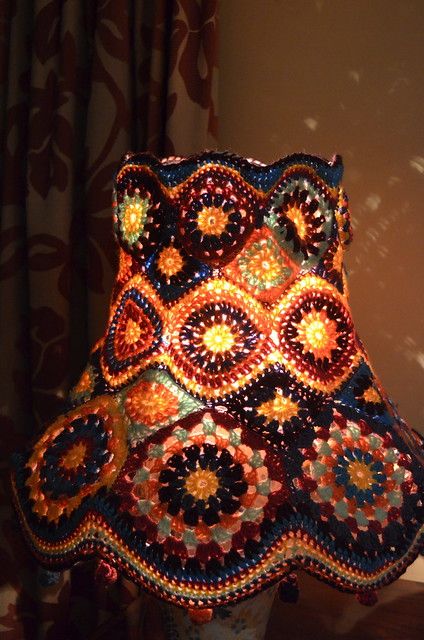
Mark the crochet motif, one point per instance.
(228, 428)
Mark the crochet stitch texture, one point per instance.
(228, 428)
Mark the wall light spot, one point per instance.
(417, 163)
(373, 234)
(355, 75)
(373, 201)
(411, 351)
(409, 341)
(311, 123)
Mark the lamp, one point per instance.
(228, 428)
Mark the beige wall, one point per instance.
(345, 76)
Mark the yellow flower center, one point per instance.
(132, 332)
(212, 220)
(133, 216)
(296, 216)
(318, 334)
(360, 474)
(264, 265)
(202, 483)
(218, 338)
(170, 261)
(371, 395)
(279, 408)
(75, 456)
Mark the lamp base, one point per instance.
(246, 620)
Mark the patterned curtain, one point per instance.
(81, 83)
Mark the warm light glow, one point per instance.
(134, 215)
(318, 334)
(125, 264)
(279, 408)
(360, 474)
(75, 456)
(212, 220)
(84, 383)
(151, 403)
(371, 395)
(218, 338)
(170, 261)
(264, 265)
(296, 216)
(202, 483)
(132, 332)
(338, 259)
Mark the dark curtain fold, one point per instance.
(80, 84)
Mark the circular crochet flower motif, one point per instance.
(141, 210)
(317, 333)
(217, 214)
(199, 491)
(133, 333)
(172, 271)
(301, 215)
(132, 214)
(202, 484)
(218, 336)
(79, 453)
(150, 403)
(131, 328)
(154, 402)
(356, 476)
(281, 409)
(262, 267)
(170, 262)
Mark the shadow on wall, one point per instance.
(326, 77)
(322, 613)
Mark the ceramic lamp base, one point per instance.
(244, 621)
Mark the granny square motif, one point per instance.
(228, 428)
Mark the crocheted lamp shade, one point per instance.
(229, 427)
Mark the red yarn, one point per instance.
(368, 598)
(200, 616)
(105, 573)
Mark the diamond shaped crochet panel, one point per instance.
(228, 427)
